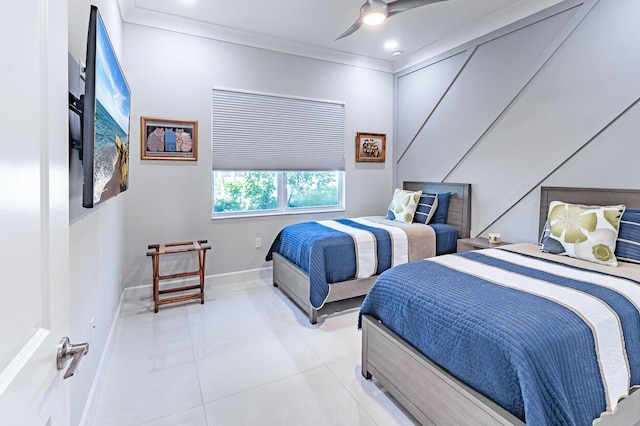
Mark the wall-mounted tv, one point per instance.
(105, 119)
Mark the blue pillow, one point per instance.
(442, 210)
(426, 208)
(628, 243)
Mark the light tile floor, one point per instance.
(247, 356)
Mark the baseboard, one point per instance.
(241, 276)
(93, 398)
(266, 273)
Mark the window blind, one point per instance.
(257, 131)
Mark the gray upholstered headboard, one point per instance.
(586, 196)
(459, 215)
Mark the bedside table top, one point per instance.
(481, 243)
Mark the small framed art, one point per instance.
(370, 147)
(163, 139)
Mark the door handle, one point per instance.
(67, 351)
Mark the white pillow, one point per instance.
(403, 205)
(583, 232)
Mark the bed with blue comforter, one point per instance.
(315, 263)
(550, 339)
(332, 251)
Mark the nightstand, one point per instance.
(468, 244)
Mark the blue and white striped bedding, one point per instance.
(343, 249)
(550, 341)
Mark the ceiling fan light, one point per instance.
(374, 18)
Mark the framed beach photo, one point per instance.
(163, 139)
(370, 147)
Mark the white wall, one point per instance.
(548, 101)
(96, 240)
(171, 76)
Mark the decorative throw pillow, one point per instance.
(403, 205)
(583, 232)
(440, 216)
(628, 244)
(426, 208)
(545, 233)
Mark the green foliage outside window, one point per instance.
(244, 191)
(258, 191)
(312, 189)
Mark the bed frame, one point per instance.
(294, 282)
(431, 394)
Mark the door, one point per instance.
(34, 224)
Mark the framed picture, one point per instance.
(162, 139)
(370, 147)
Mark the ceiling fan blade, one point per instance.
(399, 6)
(364, 9)
(390, 9)
(352, 29)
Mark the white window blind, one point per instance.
(257, 131)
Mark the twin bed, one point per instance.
(500, 336)
(314, 264)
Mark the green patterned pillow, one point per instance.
(403, 205)
(583, 232)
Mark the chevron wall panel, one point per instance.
(526, 106)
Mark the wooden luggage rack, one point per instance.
(200, 248)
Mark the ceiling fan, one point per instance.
(374, 12)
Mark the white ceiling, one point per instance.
(310, 27)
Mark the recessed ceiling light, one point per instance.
(391, 45)
(397, 53)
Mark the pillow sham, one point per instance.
(584, 232)
(628, 243)
(403, 205)
(426, 208)
(440, 216)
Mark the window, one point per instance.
(260, 192)
(273, 154)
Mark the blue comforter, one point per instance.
(328, 255)
(539, 338)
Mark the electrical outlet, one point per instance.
(258, 242)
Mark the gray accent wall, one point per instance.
(550, 100)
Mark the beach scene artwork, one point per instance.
(113, 101)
